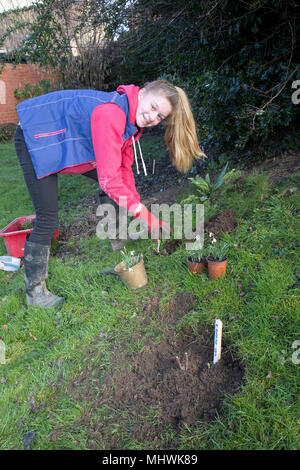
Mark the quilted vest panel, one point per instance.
(57, 127)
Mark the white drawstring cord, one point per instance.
(135, 156)
(136, 160)
(144, 166)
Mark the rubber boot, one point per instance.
(36, 259)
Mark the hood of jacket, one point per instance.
(132, 92)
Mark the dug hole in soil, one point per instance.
(168, 384)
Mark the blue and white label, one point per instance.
(217, 341)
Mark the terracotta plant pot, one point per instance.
(134, 277)
(196, 266)
(216, 269)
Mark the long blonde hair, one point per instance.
(180, 134)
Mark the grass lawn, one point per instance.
(60, 386)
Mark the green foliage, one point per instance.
(232, 175)
(68, 36)
(217, 251)
(236, 69)
(29, 91)
(205, 187)
(7, 131)
(130, 259)
(196, 255)
(236, 60)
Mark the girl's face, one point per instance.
(152, 108)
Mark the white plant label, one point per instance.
(2, 352)
(218, 341)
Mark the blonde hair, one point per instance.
(180, 135)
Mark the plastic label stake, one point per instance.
(218, 341)
(2, 352)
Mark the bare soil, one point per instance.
(279, 168)
(223, 222)
(151, 395)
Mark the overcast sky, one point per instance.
(9, 4)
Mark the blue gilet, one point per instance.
(57, 127)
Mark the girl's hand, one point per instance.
(152, 222)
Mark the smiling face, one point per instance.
(152, 108)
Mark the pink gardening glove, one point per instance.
(153, 223)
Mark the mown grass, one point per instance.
(258, 302)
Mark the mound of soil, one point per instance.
(223, 222)
(168, 384)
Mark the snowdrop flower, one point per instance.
(214, 240)
(211, 234)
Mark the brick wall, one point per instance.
(12, 78)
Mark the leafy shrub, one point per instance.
(206, 189)
(7, 131)
(235, 68)
(29, 91)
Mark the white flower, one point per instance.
(211, 234)
(214, 240)
(132, 253)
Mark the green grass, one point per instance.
(261, 325)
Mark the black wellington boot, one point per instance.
(36, 259)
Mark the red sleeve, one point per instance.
(127, 173)
(108, 123)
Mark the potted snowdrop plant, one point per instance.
(216, 258)
(196, 261)
(132, 269)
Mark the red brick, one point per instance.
(17, 78)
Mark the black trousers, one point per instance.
(43, 193)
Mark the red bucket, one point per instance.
(14, 238)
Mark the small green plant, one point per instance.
(219, 251)
(232, 175)
(196, 256)
(7, 131)
(205, 187)
(216, 250)
(29, 91)
(27, 225)
(130, 259)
